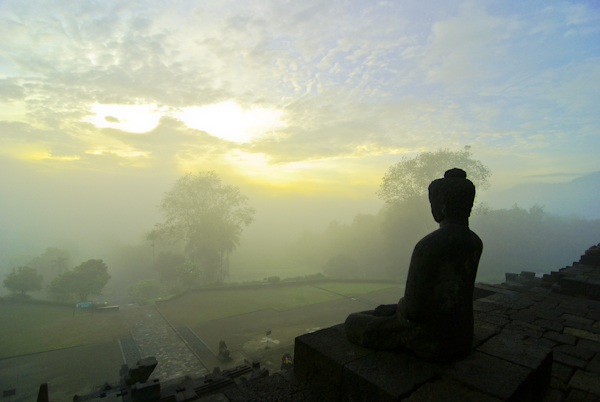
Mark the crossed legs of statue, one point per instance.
(383, 328)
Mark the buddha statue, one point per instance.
(434, 319)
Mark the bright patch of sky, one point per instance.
(230, 122)
(130, 118)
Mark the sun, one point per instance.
(229, 121)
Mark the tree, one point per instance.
(144, 290)
(207, 216)
(23, 279)
(410, 177)
(166, 265)
(88, 278)
(60, 264)
(190, 273)
(51, 262)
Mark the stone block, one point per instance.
(558, 384)
(448, 391)
(589, 345)
(524, 353)
(569, 360)
(593, 315)
(528, 354)
(574, 324)
(319, 358)
(594, 365)
(525, 316)
(530, 330)
(497, 377)
(576, 351)
(579, 333)
(273, 388)
(577, 395)
(562, 372)
(528, 274)
(513, 301)
(384, 376)
(561, 338)
(483, 332)
(590, 260)
(554, 395)
(577, 318)
(547, 313)
(585, 381)
(549, 325)
(481, 290)
(496, 319)
(487, 307)
(545, 342)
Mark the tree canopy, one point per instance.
(51, 262)
(410, 177)
(166, 264)
(206, 215)
(144, 290)
(23, 279)
(88, 278)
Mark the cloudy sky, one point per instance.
(313, 98)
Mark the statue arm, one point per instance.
(413, 306)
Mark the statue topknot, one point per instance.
(455, 192)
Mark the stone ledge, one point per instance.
(502, 368)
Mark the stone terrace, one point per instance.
(570, 326)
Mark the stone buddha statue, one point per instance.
(434, 319)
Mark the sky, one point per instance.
(302, 104)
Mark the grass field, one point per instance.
(195, 308)
(348, 289)
(29, 329)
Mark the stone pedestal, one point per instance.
(501, 368)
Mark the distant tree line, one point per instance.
(88, 278)
(381, 245)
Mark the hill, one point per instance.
(579, 196)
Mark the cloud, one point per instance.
(355, 81)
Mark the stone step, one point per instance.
(503, 368)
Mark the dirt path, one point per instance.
(155, 337)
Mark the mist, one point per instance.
(106, 215)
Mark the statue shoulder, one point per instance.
(476, 240)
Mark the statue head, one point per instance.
(452, 196)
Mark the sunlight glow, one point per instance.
(258, 164)
(32, 152)
(121, 153)
(230, 122)
(130, 118)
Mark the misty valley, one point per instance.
(190, 287)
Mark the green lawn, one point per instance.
(29, 329)
(195, 308)
(349, 289)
